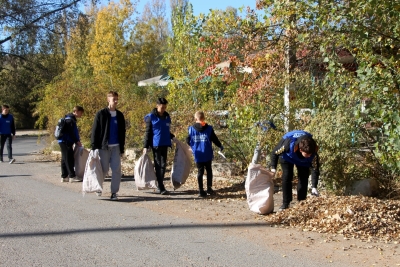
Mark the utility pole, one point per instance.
(290, 64)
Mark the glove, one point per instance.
(273, 170)
(314, 192)
(221, 148)
(144, 151)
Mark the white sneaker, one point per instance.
(64, 180)
(12, 161)
(74, 180)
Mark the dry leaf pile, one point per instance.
(351, 216)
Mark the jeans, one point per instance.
(160, 164)
(3, 139)
(111, 158)
(67, 160)
(287, 178)
(200, 172)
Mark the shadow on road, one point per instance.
(132, 229)
(4, 176)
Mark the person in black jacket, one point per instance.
(296, 148)
(68, 139)
(108, 136)
(158, 136)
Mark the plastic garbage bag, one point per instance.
(145, 177)
(182, 164)
(80, 156)
(93, 177)
(260, 189)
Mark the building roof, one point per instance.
(161, 80)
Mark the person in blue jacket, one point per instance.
(7, 132)
(68, 139)
(296, 148)
(158, 136)
(200, 139)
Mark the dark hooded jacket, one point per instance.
(101, 130)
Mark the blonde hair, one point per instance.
(199, 115)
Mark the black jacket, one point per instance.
(199, 128)
(148, 136)
(284, 147)
(101, 130)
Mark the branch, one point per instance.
(27, 26)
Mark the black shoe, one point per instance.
(164, 192)
(283, 207)
(161, 191)
(210, 191)
(114, 196)
(202, 193)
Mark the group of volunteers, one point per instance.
(108, 136)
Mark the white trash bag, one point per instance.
(260, 189)
(93, 178)
(80, 156)
(145, 177)
(182, 164)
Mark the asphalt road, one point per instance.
(45, 224)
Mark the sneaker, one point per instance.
(64, 180)
(161, 191)
(74, 180)
(98, 193)
(202, 193)
(114, 196)
(283, 207)
(164, 192)
(210, 191)
(12, 161)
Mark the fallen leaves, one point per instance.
(351, 216)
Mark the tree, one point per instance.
(149, 40)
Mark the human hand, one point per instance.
(13, 137)
(314, 192)
(174, 140)
(144, 151)
(79, 144)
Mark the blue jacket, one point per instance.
(291, 155)
(288, 150)
(157, 130)
(71, 134)
(7, 125)
(200, 139)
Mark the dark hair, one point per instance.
(5, 106)
(162, 101)
(112, 93)
(78, 108)
(308, 145)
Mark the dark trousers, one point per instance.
(200, 172)
(67, 160)
(160, 164)
(287, 179)
(3, 139)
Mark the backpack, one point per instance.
(58, 133)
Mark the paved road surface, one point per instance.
(45, 224)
